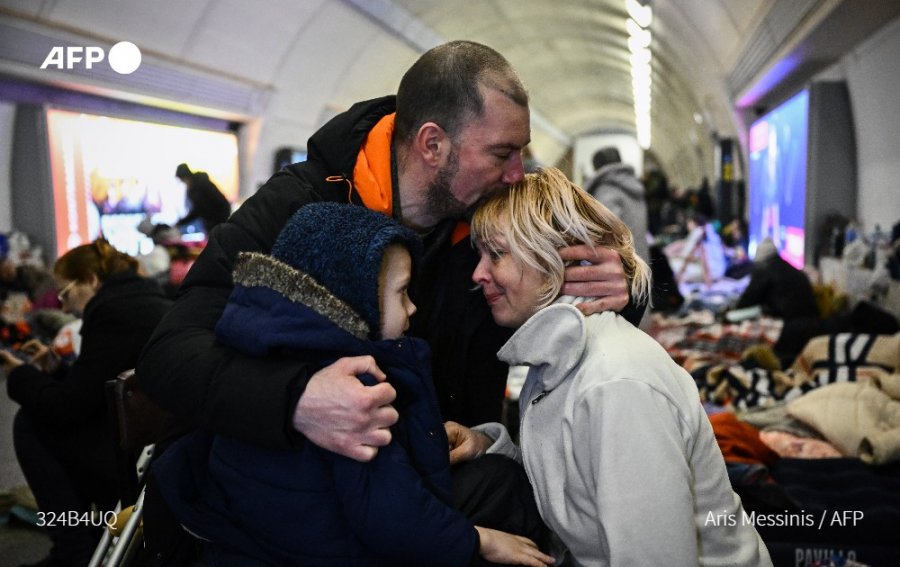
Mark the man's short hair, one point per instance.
(606, 156)
(443, 86)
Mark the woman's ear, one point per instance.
(432, 144)
(94, 282)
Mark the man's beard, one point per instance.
(440, 200)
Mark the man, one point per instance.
(460, 127)
(615, 185)
(207, 203)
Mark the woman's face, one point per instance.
(75, 294)
(511, 288)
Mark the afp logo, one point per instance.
(124, 57)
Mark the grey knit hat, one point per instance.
(342, 247)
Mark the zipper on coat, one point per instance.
(540, 396)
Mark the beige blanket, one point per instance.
(861, 419)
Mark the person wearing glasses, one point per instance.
(60, 433)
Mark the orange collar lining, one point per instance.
(372, 172)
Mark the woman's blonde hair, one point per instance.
(98, 258)
(545, 212)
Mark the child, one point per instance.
(335, 286)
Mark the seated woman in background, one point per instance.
(614, 439)
(61, 433)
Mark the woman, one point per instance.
(613, 437)
(61, 434)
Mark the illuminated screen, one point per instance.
(777, 178)
(109, 173)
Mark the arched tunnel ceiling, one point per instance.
(297, 62)
(574, 58)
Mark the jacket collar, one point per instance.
(336, 144)
(372, 177)
(253, 269)
(275, 306)
(554, 337)
(372, 172)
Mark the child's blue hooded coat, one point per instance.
(310, 506)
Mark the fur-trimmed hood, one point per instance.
(275, 307)
(253, 269)
(341, 248)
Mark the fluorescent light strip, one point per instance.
(639, 40)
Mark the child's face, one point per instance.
(393, 285)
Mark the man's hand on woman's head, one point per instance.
(603, 279)
(339, 413)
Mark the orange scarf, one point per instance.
(372, 173)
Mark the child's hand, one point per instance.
(508, 549)
(465, 444)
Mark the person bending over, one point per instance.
(452, 135)
(207, 203)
